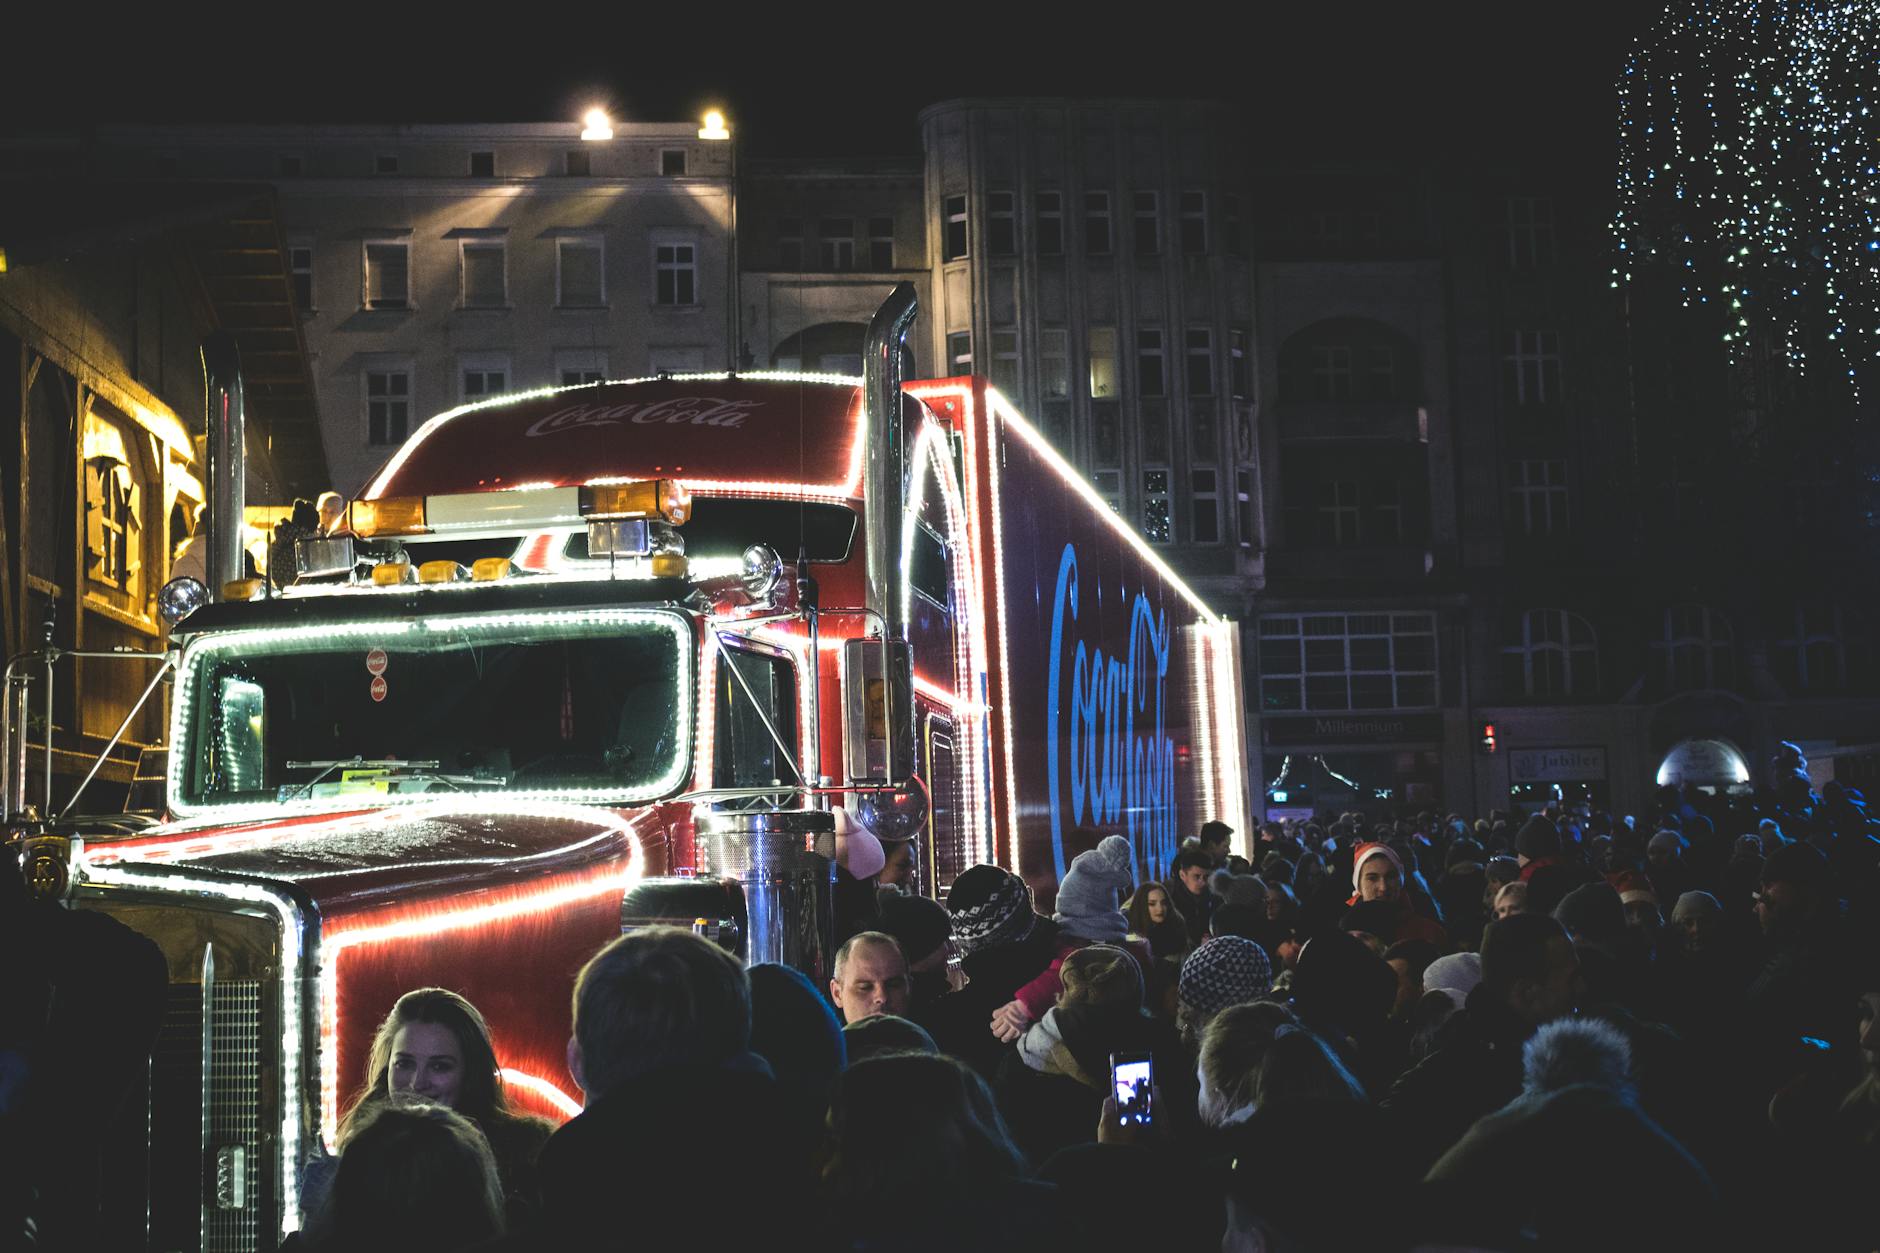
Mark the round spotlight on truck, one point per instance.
(762, 571)
(181, 597)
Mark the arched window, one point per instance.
(1347, 359)
(1552, 653)
(1697, 649)
(1815, 642)
(113, 508)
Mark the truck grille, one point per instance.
(192, 1161)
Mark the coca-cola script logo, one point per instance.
(674, 411)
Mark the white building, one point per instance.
(435, 265)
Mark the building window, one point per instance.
(1200, 361)
(1328, 662)
(1054, 362)
(1106, 433)
(1102, 362)
(1153, 422)
(577, 162)
(675, 274)
(1001, 224)
(1097, 223)
(1697, 649)
(1538, 497)
(789, 243)
(580, 271)
(574, 366)
(1202, 440)
(1811, 654)
(1332, 375)
(1158, 525)
(291, 165)
(838, 243)
(1205, 505)
(1005, 361)
(677, 360)
(1148, 217)
(881, 243)
(1050, 223)
(1243, 507)
(1151, 374)
(1232, 215)
(1336, 506)
(388, 406)
(672, 162)
(483, 165)
(481, 376)
(1239, 364)
(1379, 381)
(385, 163)
(1109, 485)
(959, 352)
(1367, 225)
(485, 277)
(387, 274)
(1551, 653)
(300, 274)
(1383, 511)
(1530, 368)
(954, 241)
(113, 500)
(1530, 232)
(1194, 222)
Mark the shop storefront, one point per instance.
(1573, 775)
(1376, 763)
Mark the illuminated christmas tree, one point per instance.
(1749, 179)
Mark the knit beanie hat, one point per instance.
(1670, 843)
(1695, 905)
(1237, 889)
(1592, 914)
(1365, 853)
(1235, 919)
(1537, 838)
(1455, 976)
(990, 906)
(1087, 898)
(793, 1027)
(917, 924)
(1226, 970)
(1796, 863)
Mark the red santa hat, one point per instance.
(1365, 853)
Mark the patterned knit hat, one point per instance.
(1226, 970)
(990, 906)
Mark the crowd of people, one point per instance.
(1560, 1030)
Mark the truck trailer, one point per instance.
(589, 658)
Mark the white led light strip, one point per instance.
(207, 645)
(437, 423)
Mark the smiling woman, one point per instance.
(434, 1046)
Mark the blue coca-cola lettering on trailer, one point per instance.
(1107, 725)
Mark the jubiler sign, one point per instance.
(1556, 765)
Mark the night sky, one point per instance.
(1340, 81)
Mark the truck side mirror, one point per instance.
(872, 707)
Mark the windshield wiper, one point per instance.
(389, 766)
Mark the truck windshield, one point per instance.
(578, 705)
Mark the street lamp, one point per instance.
(597, 125)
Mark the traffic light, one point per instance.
(1486, 741)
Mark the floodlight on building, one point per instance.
(597, 125)
(714, 127)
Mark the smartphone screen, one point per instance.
(1130, 1076)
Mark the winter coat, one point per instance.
(625, 1164)
(1191, 909)
(961, 1022)
(1474, 1070)
(1051, 1087)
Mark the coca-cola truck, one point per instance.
(594, 657)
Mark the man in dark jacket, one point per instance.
(1187, 885)
(661, 1047)
(1544, 867)
(1530, 976)
(1004, 944)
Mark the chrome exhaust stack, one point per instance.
(224, 413)
(884, 502)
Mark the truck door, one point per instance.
(744, 754)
